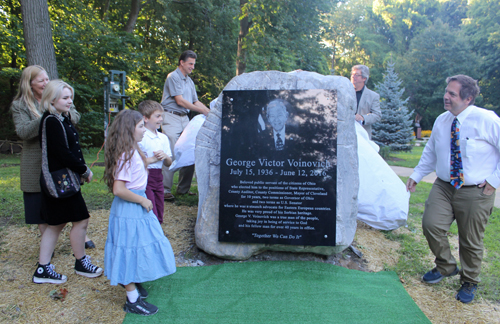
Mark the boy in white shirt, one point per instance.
(156, 148)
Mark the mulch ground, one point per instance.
(95, 301)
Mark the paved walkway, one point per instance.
(406, 172)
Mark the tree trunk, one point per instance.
(241, 64)
(14, 11)
(332, 70)
(38, 36)
(104, 10)
(135, 8)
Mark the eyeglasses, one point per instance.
(356, 74)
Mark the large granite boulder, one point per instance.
(208, 164)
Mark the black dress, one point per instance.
(57, 211)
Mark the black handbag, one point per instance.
(62, 183)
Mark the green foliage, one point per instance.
(427, 64)
(90, 41)
(285, 35)
(483, 27)
(453, 12)
(340, 25)
(357, 36)
(11, 54)
(91, 129)
(424, 37)
(406, 19)
(394, 130)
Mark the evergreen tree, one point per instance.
(395, 128)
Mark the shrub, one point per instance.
(426, 133)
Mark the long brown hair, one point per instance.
(120, 143)
(24, 92)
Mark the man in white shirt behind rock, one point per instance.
(464, 150)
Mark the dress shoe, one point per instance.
(189, 193)
(168, 196)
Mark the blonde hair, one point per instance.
(52, 93)
(25, 94)
(121, 144)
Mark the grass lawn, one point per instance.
(406, 159)
(96, 193)
(416, 258)
(415, 251)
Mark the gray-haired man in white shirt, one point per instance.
(464, 150)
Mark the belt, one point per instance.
(176, 113)
(463, 186)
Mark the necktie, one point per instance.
(456, 168)
(279, 142)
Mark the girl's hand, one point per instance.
(120, 190)
(146, 203)
(89, 177)
(160, 155)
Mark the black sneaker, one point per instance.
(85, 268)
(140, 289)
(46, 274)
(140, 307)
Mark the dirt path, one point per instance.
(95, 301)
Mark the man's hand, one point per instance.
(488, 189)
(359, 118)
(201, 108)
(411, 185)
(196, 106)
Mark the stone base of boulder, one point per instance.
(208, 165)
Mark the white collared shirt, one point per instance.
(282, 135)
(152, 142)
(479, 145)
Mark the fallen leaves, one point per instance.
(58, 294)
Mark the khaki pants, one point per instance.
(172, 126)
(471, 209)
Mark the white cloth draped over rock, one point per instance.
(383, 201)
(185, 145)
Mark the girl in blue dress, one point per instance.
(136, 248)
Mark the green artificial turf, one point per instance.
(279, 292)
